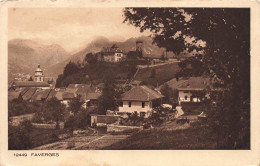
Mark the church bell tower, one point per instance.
(38, 76)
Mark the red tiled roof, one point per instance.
(141, 93)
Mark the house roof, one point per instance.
(195, 83)
(173, 83)
(46, 93)
(114, 46)
(37, 95)
(59, 95)
(51, 94)
(28, 95)
(93, 96)
(67, 95)
(113, 49)
(24, 90)
(30, 84)
(80, 88)
(141, 93)
(192, 83)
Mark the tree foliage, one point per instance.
(107, 101)
(75, 105)
(171, 95)
(91, 58)
(21, 107)
(225, 57)
(51, 110)
(18, 137)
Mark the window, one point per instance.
(143, 104)
(185, 91)
(120, 104)
(186, 97)
(142, 114)
(129, 104)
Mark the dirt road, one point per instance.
(83, 142)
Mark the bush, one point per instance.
(21, 107)
(18, 137)
(80, 120)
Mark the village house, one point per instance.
(141, 100)
(112, 54)
(190, 89)
(88, 94)
(92, 99)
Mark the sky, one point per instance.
(72, 28)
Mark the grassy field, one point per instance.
(198, 136)
(43, 136)
(162, 74)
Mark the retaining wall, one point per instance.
(118, 128)
(47, 126)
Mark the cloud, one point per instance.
(68, 27)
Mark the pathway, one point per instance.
(83, 142)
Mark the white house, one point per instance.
(112, 54)
(140, 99)
(192, 90)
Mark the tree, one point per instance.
(70, 68)
(51, 110)
(91, 58)
(19, 137)
(226, 57)
(75, 105)
(107, 101)
(171, 95)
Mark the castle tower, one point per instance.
(38, 76)
(139, 46)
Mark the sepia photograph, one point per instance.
(129, 78)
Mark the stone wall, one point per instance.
(47, 126)
(118, 128)
(16, 120)
(103, 119)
